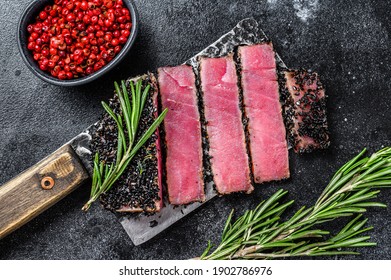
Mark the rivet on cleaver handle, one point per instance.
(39, 187)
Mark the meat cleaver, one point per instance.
(50, 180)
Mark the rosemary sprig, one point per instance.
(105, 175)
(260, 233)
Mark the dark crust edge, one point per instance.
(208, 174)
(290, 113)
(245, 119)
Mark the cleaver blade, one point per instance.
(143, 228)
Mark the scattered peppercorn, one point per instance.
(74, 38)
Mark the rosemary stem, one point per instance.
(248, 250)
(271, 255)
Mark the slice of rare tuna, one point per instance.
(139, 189)
(184, 170)
(266, 130)
(305, 110)
(225, 132)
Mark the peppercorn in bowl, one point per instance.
(73, 42)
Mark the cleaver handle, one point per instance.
(39, 187)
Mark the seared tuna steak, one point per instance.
(139, 189)
(227, 144)
(182, 127)
(266, 130)
(305, 110)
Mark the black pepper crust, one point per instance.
(163, 143)
(288, 112)
(245, 119)
(309, 112)
(137, 190)
(207, 170)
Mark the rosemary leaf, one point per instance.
(347, 243)
(149, 132)
(125, 112)
(371, 204)
(380, 183)
(352, 224)
(120, 146)
(364, 244)
(144, 96)
(109, 111)
(350, 234)
(278, 209)
(206, 250)
(308, 233)
(361, 196)
(227, 225)
(132, 108)
(126, 96)
(347, 165)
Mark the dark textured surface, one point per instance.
(347, 42)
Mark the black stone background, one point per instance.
(347, 42)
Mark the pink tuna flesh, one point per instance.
(268, 146)
(227, 145)
(183, 135)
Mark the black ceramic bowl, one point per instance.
(28, 17)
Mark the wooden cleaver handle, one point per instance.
(39, 187)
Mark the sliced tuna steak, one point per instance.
(182, 127)
(305, 110)
(266, 130)
(139, 189)
(227, 144)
